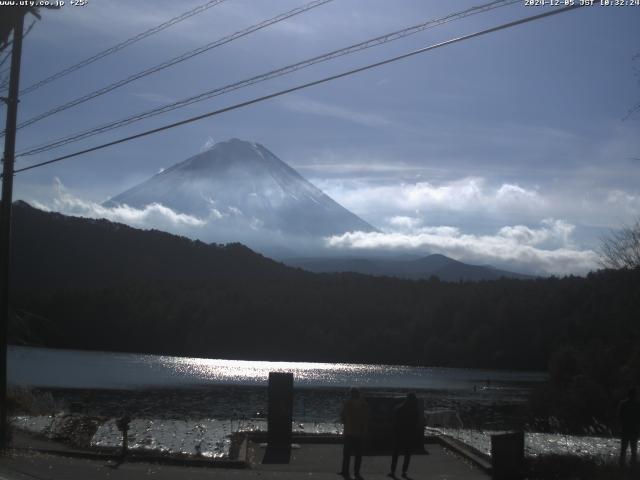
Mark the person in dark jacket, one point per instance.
(406, 429)
(629, 416)
(354, 416)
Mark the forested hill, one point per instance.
(91, 284)
(54, 250)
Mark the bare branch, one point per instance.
(621, 248)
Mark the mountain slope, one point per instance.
(54, 250)
(51, 250)
(445, 268)
(243, 186)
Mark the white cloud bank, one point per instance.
(466, 194)
(545, 250)
(475, 200)
(219, 226)
(151, 216)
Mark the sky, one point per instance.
(514, 149)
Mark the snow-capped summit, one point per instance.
(243, 184)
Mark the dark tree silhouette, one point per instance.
(621, 248)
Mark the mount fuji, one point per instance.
(245, 193)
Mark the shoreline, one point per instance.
(202, 421)
(538, 447)
(503, 406)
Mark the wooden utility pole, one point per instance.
(5, 210)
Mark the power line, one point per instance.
(306, 85)
(2, 62)
(174, 61)
(33, 22)
(392, 36)
(121, 45)
(8, 54)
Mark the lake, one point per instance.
(52, 368)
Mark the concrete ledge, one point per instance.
(35, 443)
(242, 461)
(242, 451)
(139, 457)
(477, 458)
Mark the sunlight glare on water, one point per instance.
(257, 372)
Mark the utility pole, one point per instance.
(5, 211)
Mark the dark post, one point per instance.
(5, 212)
(280, 408)
(123, 425)
(507, 456)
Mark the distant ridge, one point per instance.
(445, 268)
(81, 252)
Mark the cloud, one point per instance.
(476, 202)
(352, 165)
(210, 142)
(512, 193)
(404, 222)
(313, 107)
(218, 225)
(555, 233)
(153, 215)
(464, 195)
(624, 201)
(545, 250)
